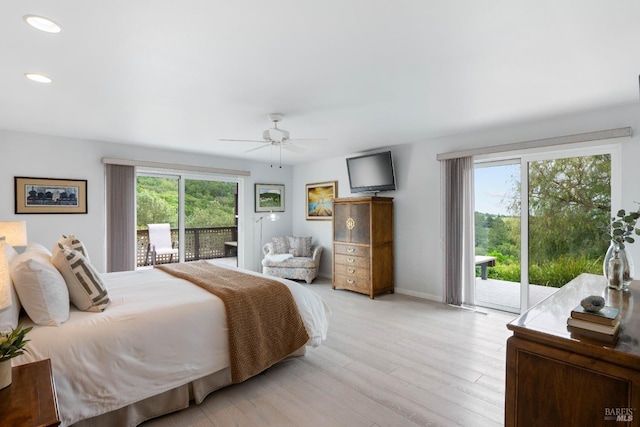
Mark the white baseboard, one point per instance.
(422, 295)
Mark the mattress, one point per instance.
(158, 334)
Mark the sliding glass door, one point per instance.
(555, 202)
(156, 203)
(210, 216)
(202, 213)
(497, 234)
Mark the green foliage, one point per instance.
(497, 234)
(554, 273)
(559, 272)
(12, 344)
(153, 209)
(568, 199)
(621, 227)
(207, 203)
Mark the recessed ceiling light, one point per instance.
(42, 23)
(40, 78)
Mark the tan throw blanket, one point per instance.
(262, 317)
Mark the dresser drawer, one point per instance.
(349, 270)
(354, 261)
(352, 250)
(351, 282)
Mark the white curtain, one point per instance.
(459, 233)
(121, 217)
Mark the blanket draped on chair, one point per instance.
(263, 320)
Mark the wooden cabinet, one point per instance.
(30, 400)
(363, 244)
(554, 377)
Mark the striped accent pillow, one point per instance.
(72, 242)
(300, 246)
(86, 288)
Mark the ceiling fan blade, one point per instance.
(293, 148)
(242, 140)
(257, 148)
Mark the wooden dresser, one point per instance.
(363, 244)
(554, 378)
(30, 400)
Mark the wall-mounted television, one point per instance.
(371, 173)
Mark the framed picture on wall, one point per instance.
(269, 198)
(319, 198)
(50, 196)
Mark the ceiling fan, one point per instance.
(276, 137)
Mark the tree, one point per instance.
(482, 240)
(568, 199)
(152, 209)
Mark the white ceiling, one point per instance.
(181, 74)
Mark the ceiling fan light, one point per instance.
(40, 78)
(275, 135)
(41, 23)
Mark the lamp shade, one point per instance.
(273, 216)
(15, 232)
(5, 285)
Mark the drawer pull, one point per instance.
(351, 282)
(351, 270)
(350, 250)
(351, 260)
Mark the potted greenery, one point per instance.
(618, 266)
(11, 345)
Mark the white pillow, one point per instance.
(40, 286)
(9, 316)
(73, 243)
(86, 289)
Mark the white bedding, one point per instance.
(159, 332)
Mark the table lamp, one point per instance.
(5, 281)
(15, 233)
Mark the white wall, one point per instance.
(417, 200)
(418, 248)
(41, 156)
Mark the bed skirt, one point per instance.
(167, 402)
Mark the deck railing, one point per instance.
(200, 243)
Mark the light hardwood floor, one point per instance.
(392, 361)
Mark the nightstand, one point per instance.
(30, 400)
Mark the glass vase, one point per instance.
(624, 266)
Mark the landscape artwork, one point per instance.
(320, 200)
(46, 195)
(269, 198)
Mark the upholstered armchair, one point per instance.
(291, 258)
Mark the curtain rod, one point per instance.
(173, 166)
(536, 143)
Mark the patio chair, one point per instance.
(160, 243)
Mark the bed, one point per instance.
(161, 342)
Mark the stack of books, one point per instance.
(603, 325)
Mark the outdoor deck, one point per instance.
(502, 295)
